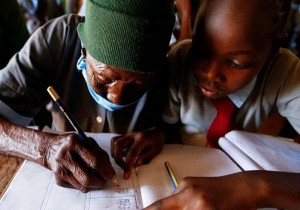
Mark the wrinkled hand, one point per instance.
(137, 148)
(77, 165)
(226, 192)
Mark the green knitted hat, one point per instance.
(130, 34)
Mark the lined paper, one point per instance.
(34, 186)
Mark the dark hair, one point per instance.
(282, 10)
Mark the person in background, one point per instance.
(109, 69)
(293, 41)
(185, 18)
(234, 62)
(38, 12)
(13, 32)
(81, 11)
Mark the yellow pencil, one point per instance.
(73, 122)
(171, 174)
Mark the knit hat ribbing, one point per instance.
(130, 34)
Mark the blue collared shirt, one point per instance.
(239, 97)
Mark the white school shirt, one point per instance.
(276, 89)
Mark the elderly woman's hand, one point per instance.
(76, 164)
(137, 148)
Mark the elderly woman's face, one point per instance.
(119, 86)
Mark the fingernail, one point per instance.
(84, 190)
(115, 181)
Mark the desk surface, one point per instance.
(8, 167)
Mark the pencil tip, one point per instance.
(115, 181)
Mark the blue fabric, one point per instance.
(35, 4)
(81, 65)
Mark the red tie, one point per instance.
(222, 123)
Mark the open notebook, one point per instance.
(34, 186)
(261, 152)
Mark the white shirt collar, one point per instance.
(239, 97)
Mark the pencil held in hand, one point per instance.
(73, 122)
(171, 174)
(66, 112)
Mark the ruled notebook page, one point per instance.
(263, 151)
(185, 161)
(34, 188)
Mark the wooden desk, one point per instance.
(8, 167)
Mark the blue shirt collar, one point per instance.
(239, 97)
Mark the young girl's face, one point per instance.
(233, 42)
